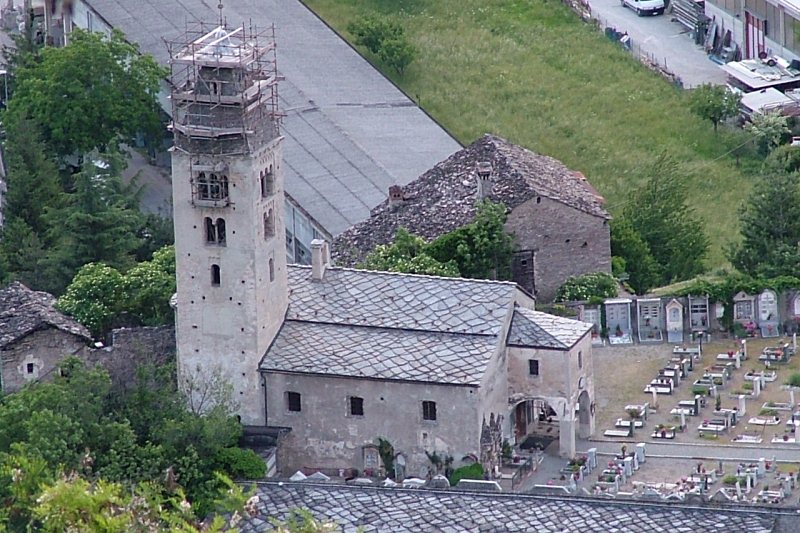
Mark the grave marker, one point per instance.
(640, 452)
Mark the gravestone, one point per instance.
(640, 453)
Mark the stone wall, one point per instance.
(132, 348)
(566, 242)
(35, 356)
(325, 435)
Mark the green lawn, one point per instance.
(531, 71)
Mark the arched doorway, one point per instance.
(585, 415)
(536, 423)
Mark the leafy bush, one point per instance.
(473, 471)
(241, 463)
(384, 38)
(729, 480)
(587, 286)
(794, 380)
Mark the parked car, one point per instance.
(645, 7)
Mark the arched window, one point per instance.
(271, 269)
(267, 182)
(215, 231)
(269, 224)
(216, 276)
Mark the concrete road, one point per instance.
(668, 42)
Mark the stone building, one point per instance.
(338, 356)
(34, 336)
(560, 226)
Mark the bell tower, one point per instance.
(227, 187)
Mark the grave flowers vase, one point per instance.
(786, 438)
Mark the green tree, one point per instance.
(97, 224)
(22, 252)
(626, 244)
(407, 254)
(89, 94)
(386, 39)
(33, 181)
(770, 228)
(714, 102)
(785, 158)
(660, 214)
(148, 286)
(768, 129)
(482, 249)
(94, 297)
(587, 287)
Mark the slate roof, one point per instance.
(23, 311)
(418, 510)
(403, 301)
(349, 132)
(540, 330)
(380, 353)
(443, 198)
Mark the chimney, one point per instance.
(484, 179)
(395, 195)
(320, 258)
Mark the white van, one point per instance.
(645, 7)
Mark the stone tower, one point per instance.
(227, 187)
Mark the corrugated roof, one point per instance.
(349, 132)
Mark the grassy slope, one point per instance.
(530, 71)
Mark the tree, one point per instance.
(148, 286)
(408, 254)
(768, 130)
(97, 224)
(639, 265)
(587, 287)
(784, 158)
(482, 249)
(94, 297)
(89, 94)
(770, 228)
(386, 39)
(660, 214)
(714, 102)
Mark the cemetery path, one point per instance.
(701, 451)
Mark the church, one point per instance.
(339, 357)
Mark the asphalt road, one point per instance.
(661, 38)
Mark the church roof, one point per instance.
(410, 510)
(443, 198)
(540, 330)
(23, 311)
(380, 353)
(403, 301)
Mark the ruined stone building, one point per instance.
(335, 356)
(34, 336)
(560, 226)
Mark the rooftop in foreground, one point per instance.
(413, 510)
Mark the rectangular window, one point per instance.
(293, 402)
(356, 406)
(533, 367)
(29, 368)
(428, 410)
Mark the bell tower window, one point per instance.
(211, 187)
(269, 224)
(215, 231)
(216, 276)
(267, 182)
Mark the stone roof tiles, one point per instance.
(23, 311)
(380, 353)
(411, 510)
(402, 301)
(443, 198)
(541, 330)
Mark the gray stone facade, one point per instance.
(558, 220)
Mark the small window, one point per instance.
(216, 276)
(580, 360)
(356, 406)
(271, 269)
(30, 368)
(533, 367)
(215, 231)
(267, 182)
(293, 402)
(428, 410)
(269, 224)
